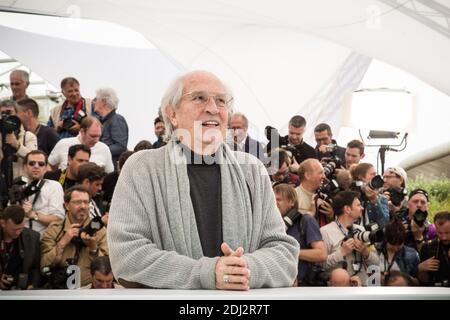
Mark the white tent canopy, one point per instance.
(280, 58)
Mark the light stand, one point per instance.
(383, 148)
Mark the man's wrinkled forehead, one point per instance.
(202, 81)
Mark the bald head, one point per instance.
(339, 278)
(311, 174)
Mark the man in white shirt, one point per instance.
(90, 133)
(45, 206)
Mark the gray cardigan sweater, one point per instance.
(152, 232)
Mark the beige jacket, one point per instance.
(51, 238)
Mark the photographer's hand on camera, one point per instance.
(11, 139)
(417, 231)
(68, 236)
(90, 241)
(371, 194)
(347, 247)
(325, 208)
(362, 248)
(28, 208)
(75, 128)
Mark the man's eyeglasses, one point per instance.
(79, 202)
(201, 98)
(32, 163)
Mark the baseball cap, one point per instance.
(399, 171)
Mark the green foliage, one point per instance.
(438, 190)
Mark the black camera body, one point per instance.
(56, 275)
(420, 217)
(94, 225)
(291, 217)
(396, 195)
(91, 229)
(9, 123)
(69, 123)
(20, 190)
(274, 138)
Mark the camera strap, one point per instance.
(36, 196)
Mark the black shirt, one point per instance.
(46, 138)
(11, 260)
(206, 196)
(439, 251)
(304, 151)
(109, 184)
(57, 176)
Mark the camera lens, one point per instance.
(376, 182)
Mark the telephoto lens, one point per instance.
(376, 182)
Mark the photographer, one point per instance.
(75, 239)
(368, 184)
(279, 169)
(327, 147)
(394, 188)
(241, 140)
(91, 177)
(293, 142)
(305, 229)
(77, 155)
(342, 236)
(311, 176)
(419, 229)
(66, 117)
(28, 112)
(434, 270)
(90, 133)
(19, 251)
(46, 205)
(16, 142)
(394, 255)
(354, 153)
(102, 275)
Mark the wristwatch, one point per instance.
(36, 217)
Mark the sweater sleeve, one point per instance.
(134, 238)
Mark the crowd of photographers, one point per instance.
(354, 227)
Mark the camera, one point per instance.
(290, 218)
(91, 229)
(69, 123)
(277, 141)
(9, 123)
(331, 148)
(420, 217)
(328, 190)
(57, 275)
(396, 195)
(372, 233)
(20, 190)
(376, 182)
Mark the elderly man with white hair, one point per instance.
(195, 214)
(115, 128)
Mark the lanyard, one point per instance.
(341, 228)
(388, 264)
